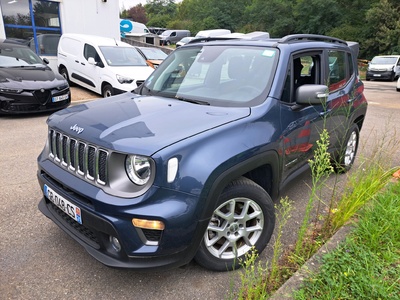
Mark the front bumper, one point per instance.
(176, 245)
(384, 75)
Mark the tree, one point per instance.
(137, 14)
(160, 12)
(384, 35)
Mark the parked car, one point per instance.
(398, 85)
(184, 41)
(187, 165)
(169, 37)
(103, 65)
(384, 67)
(153, 56)
(27, 84)
(47, 44)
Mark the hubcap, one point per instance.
(350, 149)
(234, 228)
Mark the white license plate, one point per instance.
(60, 98)
(70, 209)
(377, 75)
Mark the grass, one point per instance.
(362, 185)
(367, 264)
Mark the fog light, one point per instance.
(115, 243)
(148, 224)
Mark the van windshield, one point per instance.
(122, 56)
(384, 60)
(215, 75)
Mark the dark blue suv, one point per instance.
(186, 166)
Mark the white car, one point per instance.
(103, 65)
(398, 85)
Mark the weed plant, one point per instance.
(362, 185)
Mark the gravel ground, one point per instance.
(78, 94)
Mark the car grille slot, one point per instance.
(43, 96)
(79, 157)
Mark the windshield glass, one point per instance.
(216, 75)
(18, 57)
(153, 53)
(166, 33)
(384, 60)
(122, 56)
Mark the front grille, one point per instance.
(42, 96)
(79, 157)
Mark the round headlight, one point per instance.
(138, 169)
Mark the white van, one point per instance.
(384, 67)
(212, 33)
(103, 65)
(169, 37)
(129, 27)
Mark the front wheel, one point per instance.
(347, 156)
(107, 91)
(244, 219)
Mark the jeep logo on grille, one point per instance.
(76, 128)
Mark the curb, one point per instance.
(312, 265)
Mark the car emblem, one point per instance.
(76, 128)
(42, 90)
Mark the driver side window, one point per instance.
(90, 51)
(304, 68)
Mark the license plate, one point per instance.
(70, 209)
(377, 75)
(60, 98)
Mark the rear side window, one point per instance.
(340, 69)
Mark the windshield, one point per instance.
(166, 33)
(153, 53)
(18, 57)
(122, 56)
(216, 75)
(384, 60)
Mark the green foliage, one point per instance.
(367, 265)
(373, 23)
(321, 168)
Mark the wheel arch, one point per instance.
(263, 169)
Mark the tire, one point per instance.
(64, 73)
(244, 217)
(346, 158)
(107, 91)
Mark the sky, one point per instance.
(127, 4)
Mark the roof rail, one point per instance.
(255, 35)
(311, 37)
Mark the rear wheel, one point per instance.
(244, 219)
(347, 156)
(107, 91)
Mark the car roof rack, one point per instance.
(311, 37)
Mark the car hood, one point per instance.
(140, 124)
(20, 77)
(136, 72)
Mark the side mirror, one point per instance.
(45, 60)
(312, 94)
(92, 61)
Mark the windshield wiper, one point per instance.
(192, 100)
